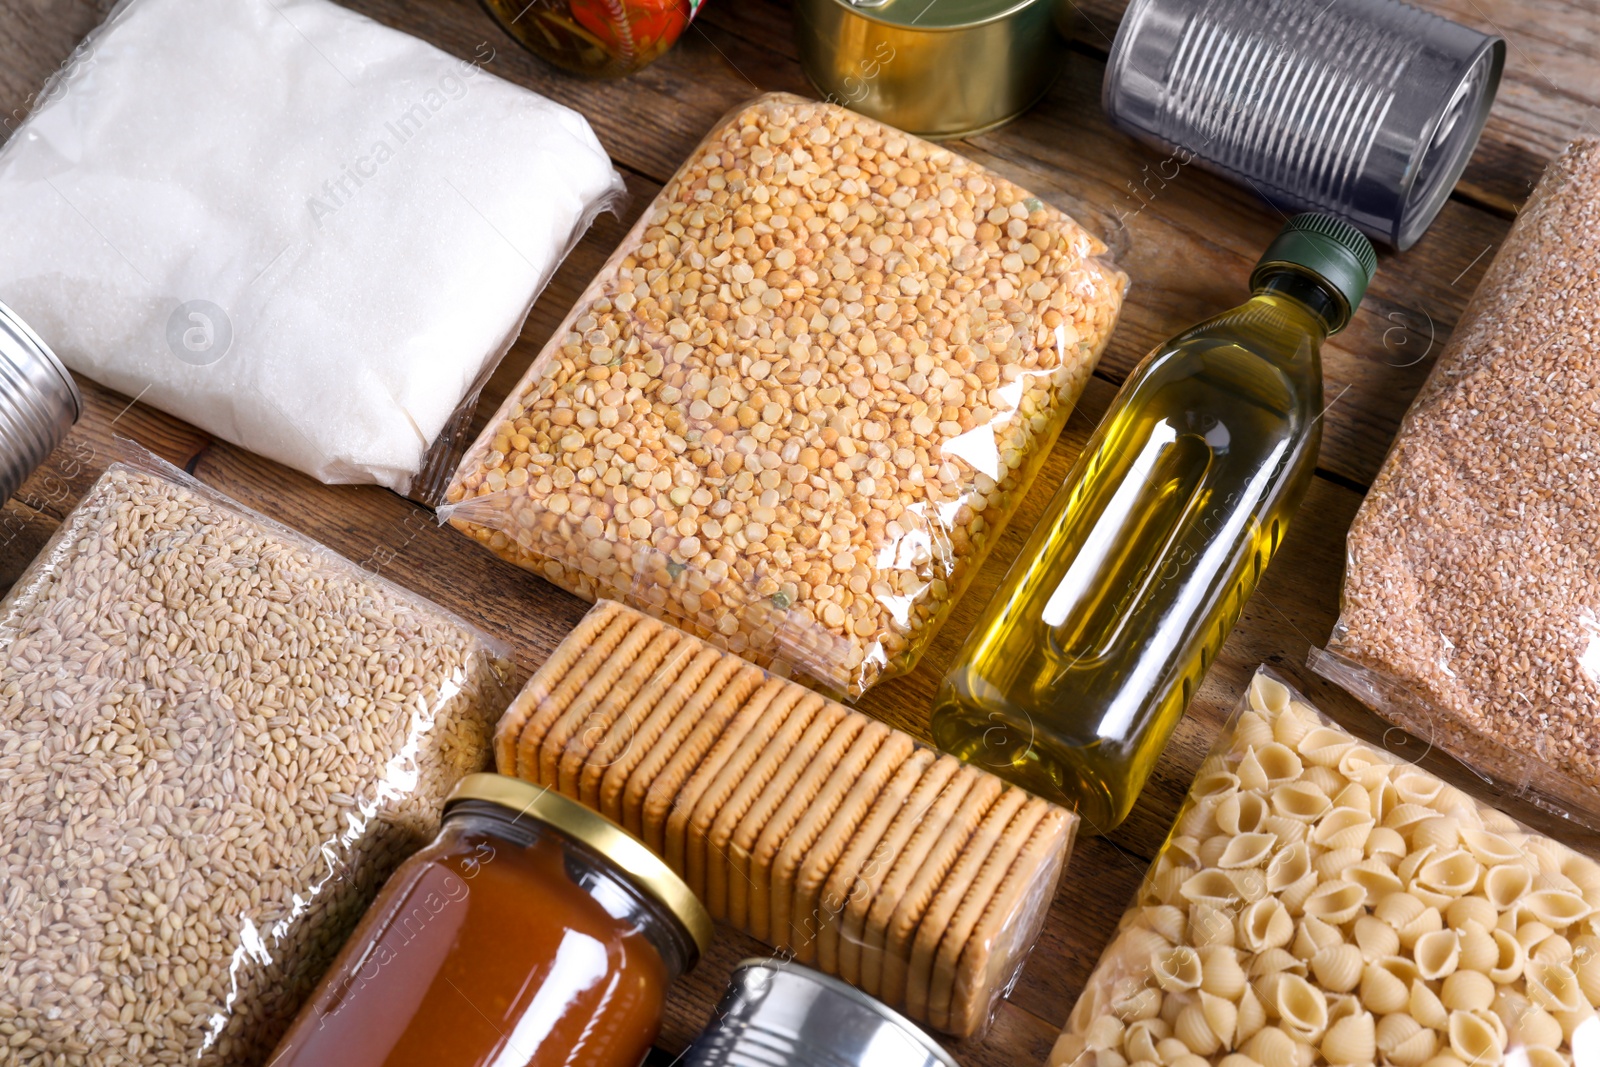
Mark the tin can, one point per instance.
(1367, 109)
(938, 70)
(779, 1014)
(39, 402)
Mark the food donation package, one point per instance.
(1471, 605)
(834, 838)
(1322, 901)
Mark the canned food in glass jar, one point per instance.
(778, 1012)
(598, 38)
(532, 931)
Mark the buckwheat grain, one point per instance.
(1474, 569)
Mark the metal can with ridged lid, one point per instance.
(39, 402)
(935, 68)
(1367, 110)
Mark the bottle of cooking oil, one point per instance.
(1088, 654)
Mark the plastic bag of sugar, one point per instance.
(300, 230)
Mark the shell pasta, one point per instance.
(1322, 902)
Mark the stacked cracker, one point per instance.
(831, 836)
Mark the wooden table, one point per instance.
(1192, 241)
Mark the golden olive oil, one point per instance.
(1086, 657)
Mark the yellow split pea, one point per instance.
(798, 403)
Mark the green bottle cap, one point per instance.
(1333, 250)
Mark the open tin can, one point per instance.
(39, 402)
(935, 68)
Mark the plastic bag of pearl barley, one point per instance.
(302, 231)
(796, 408)
(1321, 901)
(217, 739)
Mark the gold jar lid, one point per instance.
(940, 14)
(628, 853)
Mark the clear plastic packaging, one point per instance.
(302, 231)
(1471, 605)
(217, 739)
(798, 404)
(1321, 901)
(834, 838)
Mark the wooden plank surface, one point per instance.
(1188, 242)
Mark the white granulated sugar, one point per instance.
(299, 230)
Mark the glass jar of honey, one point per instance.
(531, 932)
(599, 38)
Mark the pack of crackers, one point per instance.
(830, 836)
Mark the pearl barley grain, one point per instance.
(849, 346)
(216, 740)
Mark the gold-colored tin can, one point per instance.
(935, 68)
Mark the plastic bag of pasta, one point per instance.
(1321, 901)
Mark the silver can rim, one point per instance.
(44, 353)
(1421, 204)
(850, 992)
(1127, 29)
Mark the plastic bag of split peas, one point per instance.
(1321, 901)
(799, 403)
